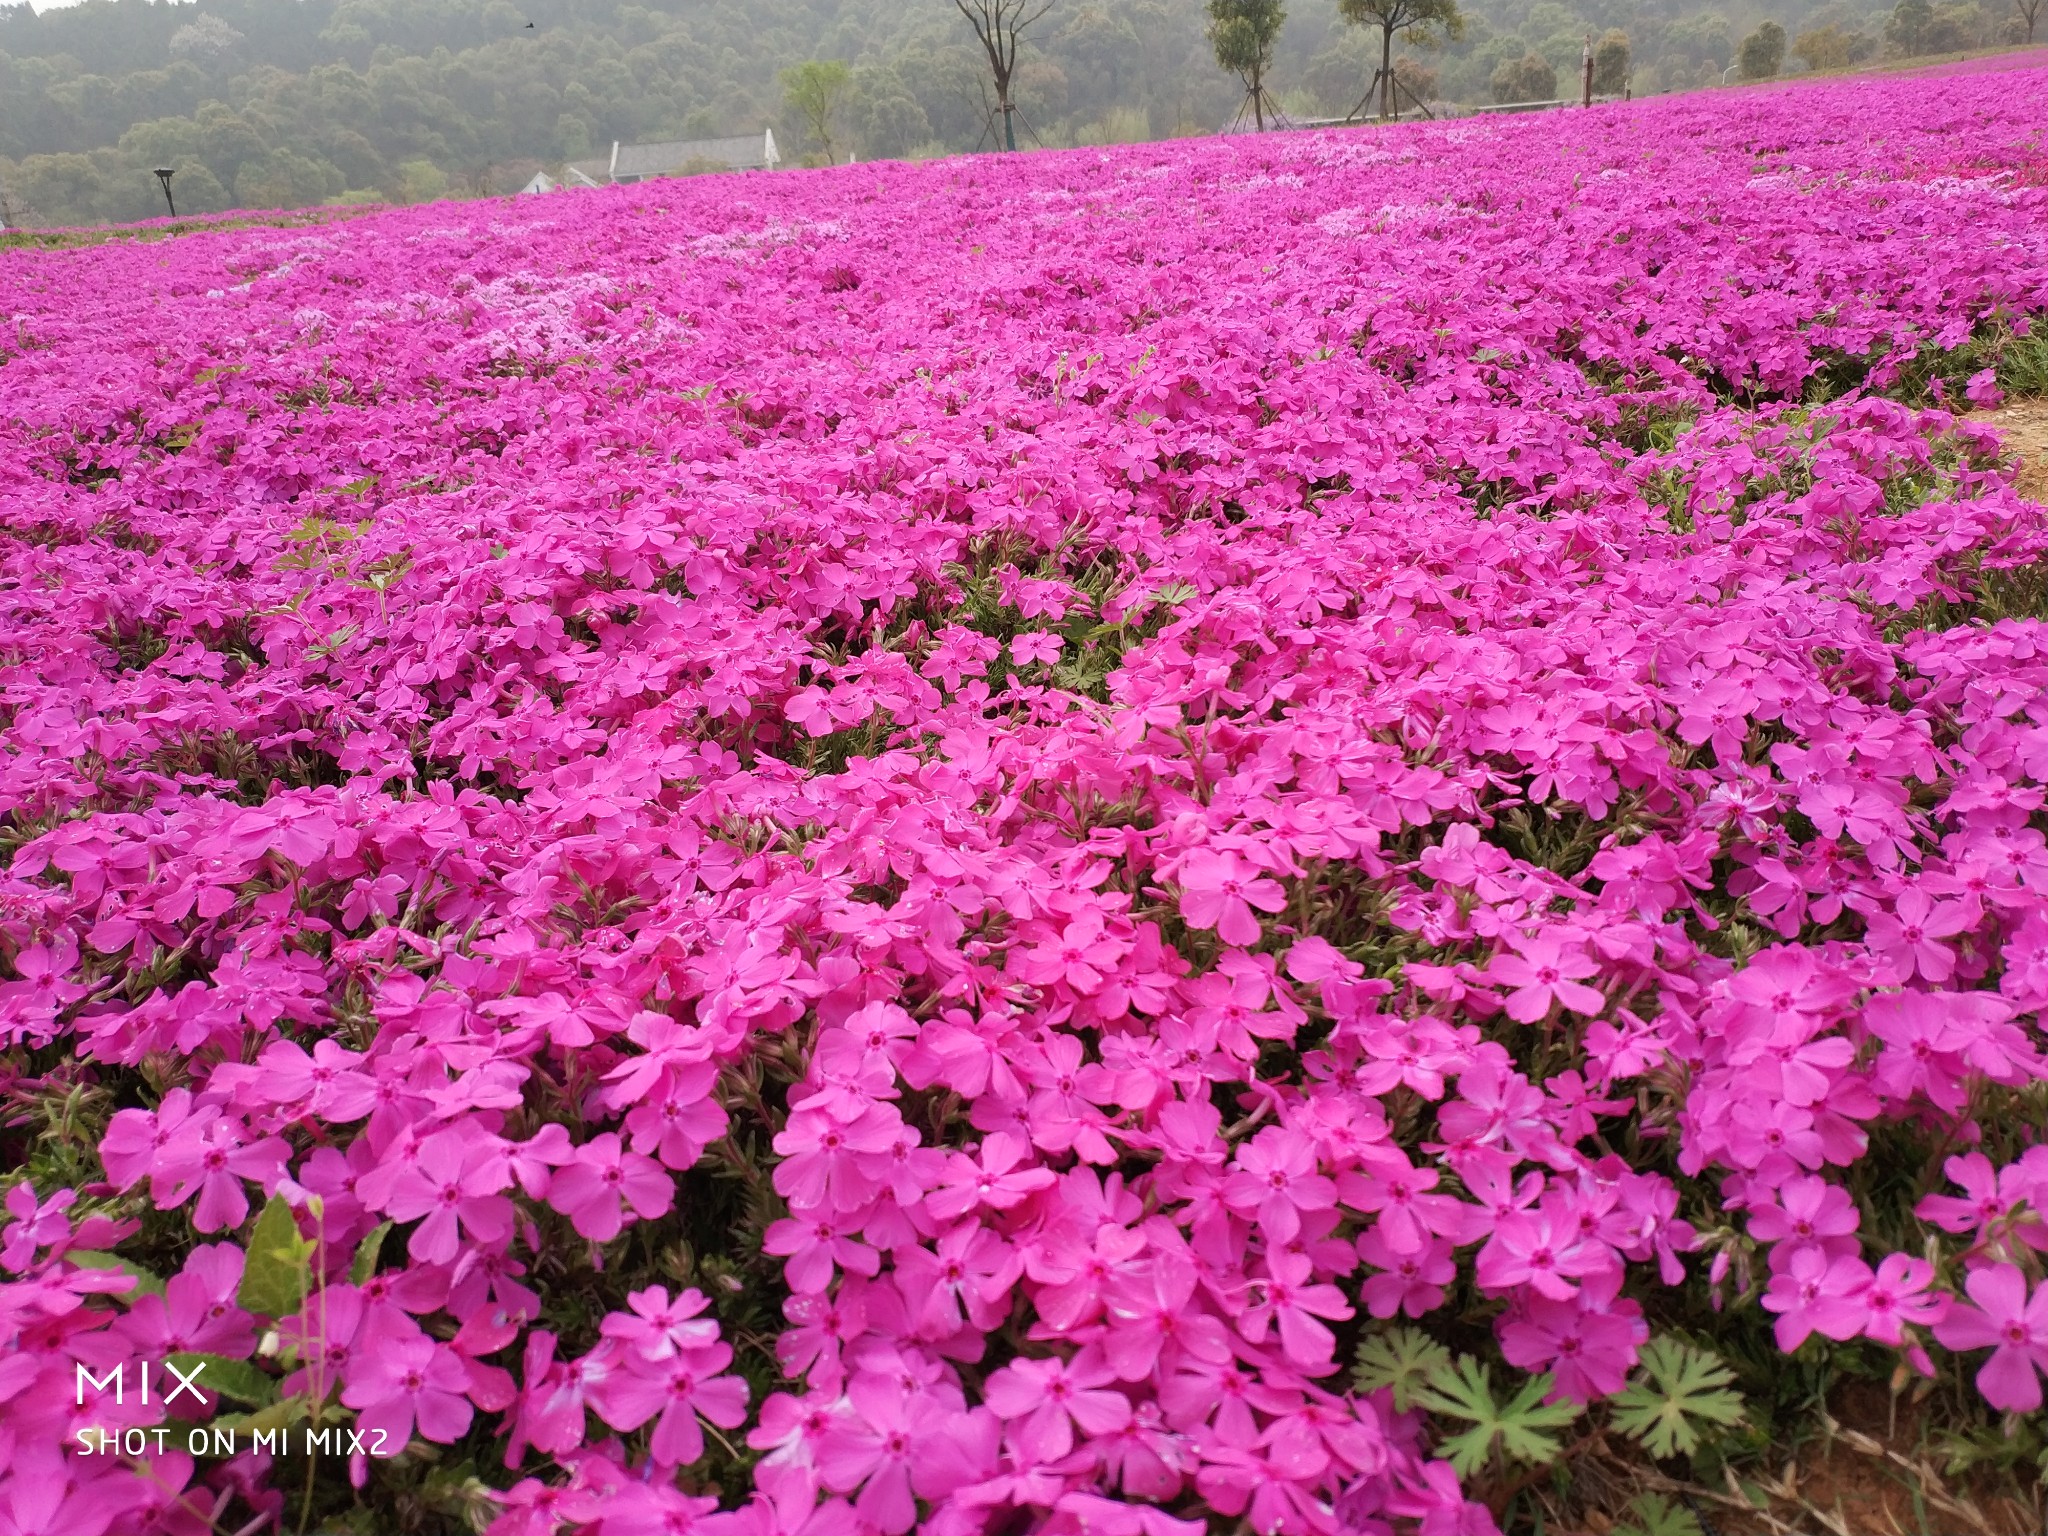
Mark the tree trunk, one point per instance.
(1386, 69)
(1258, 98)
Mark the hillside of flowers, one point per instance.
(1330, 833)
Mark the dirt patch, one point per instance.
(2024, 427)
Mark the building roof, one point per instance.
(637, 162)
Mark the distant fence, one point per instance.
(1543, 106)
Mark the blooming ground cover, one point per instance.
(1342, 832)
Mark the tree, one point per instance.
(1907, 28)
(1763, 52)
(813, 92)
(1823, 48)
(2030, 12)
(1532, 77)
(1243, 33)
(998, 24)
(1427, 20)
(1610, 63)
(208, 42)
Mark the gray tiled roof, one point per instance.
(749, 152)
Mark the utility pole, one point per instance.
(164, 175)
(1586, 68)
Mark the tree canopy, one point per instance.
(265, 103)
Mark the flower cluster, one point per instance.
(830, 853)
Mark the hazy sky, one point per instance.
(39, 6)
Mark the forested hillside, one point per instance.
(269, 103)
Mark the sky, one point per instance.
(40, 6)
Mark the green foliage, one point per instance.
(1677, 1395)
(1763, 52)
(1651, 1514)
(813, 93)
(146, 1284)
(1529, 78)
(1610, 62)
(236, 1380)
(1518, 1428)
(1243, 33)
(280, 1262)
(364, 1264)
(1404, 1359)
(1422, 19)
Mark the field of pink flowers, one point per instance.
(1331, 833)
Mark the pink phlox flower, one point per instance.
(1412, 1282)
(329, 1083)
(1817, 1293)
(1219, 890)
(1035, 646)
(1773, 1137)
(36, 1225)
(674, 1391)
(1989, 1196)
(1289, 1297)
(821, 1327)
(1545, 970)
(1276, 1179)
(1073, 1272)
(1908, 939)
(2012, 1327)
(656, 1328)
(1414, 1053)
(210, 1154)
(485, 1293)
(1146, 1458)
(1898, 1297)
(815, 1246)
(1080, 957)
(897, 1446)
(550, 1411)
(605, 1180)
(1542, 1249)
(1589, 1345)
(1933, 1040)
(407, 1383)
(1807, 1210)
(197, 1312)
(1644, 1223)
(1091, 1514)
(827, 1154)
(1042, 1402)
(29, 1007)
(1063, 1113)
(1497, 1106)
(534, 1160)
(964, 1279)
(1155, 1323)
(992, 1180)
(1409, 1215)
(454, 1183)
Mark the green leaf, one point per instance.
(1401, 1358)
(236, 1380)
(364, 1264)
(1518, 1426)
(282, 1414)
(146, 1284)
(274, 1279)
(1675, 1395)
(1654, 1515)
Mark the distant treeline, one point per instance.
(286, 103)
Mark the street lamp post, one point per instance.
(164, 175)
